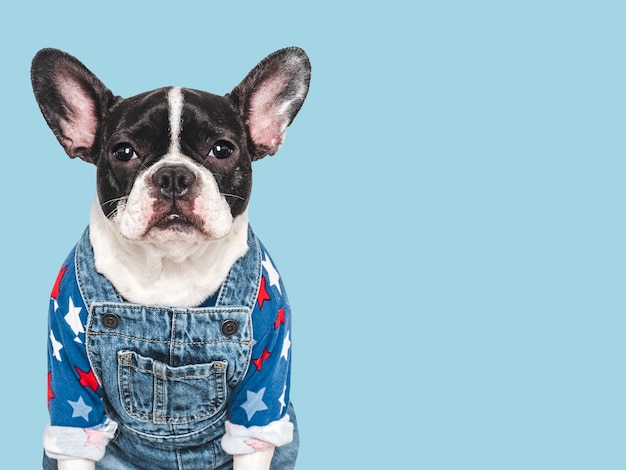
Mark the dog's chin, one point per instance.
(171, 231)
(175, 223)
(177, 227)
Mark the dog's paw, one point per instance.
(76, 464)
(259, 460)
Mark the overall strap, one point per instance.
(241, 286)
(94, 287)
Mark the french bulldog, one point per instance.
(169, 342)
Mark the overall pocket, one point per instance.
(154, 392)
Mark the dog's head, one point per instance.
(172, 163)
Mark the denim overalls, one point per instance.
(167, 372)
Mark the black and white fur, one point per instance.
(174, 175)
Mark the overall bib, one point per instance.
(167, 373)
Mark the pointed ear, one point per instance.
(271, 96)
(72, 100)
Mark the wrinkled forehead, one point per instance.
(173, 114)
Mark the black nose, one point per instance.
(173, 181)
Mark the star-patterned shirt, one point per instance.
(75, 397)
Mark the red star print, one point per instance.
(280, 318)
(50, 393)
(259, 361)
(87, 379)
(263, 295)
(96, 439)
(57, 284)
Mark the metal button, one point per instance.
(230, 327)
(110, 321)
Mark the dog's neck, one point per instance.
(176, 274)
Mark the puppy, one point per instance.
(169, 327)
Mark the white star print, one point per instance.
(281, 399)
(73, 319)
(80, 409)
(56, 347)
(274, 277)
(254, 403)
(286, 345)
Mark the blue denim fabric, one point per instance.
(167, 372)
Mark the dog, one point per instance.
(169, 327)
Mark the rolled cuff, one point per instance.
(64, 443)
(277, 433)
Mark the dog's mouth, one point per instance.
(177, 222)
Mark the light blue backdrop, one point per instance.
(447, 212)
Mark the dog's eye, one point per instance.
(124, 153)
(221, 149)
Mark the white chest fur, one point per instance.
(177, 273)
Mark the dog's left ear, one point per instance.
(270, 97)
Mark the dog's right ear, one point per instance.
(72, 100)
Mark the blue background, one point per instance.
(447, 213)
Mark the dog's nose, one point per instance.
(173, 181)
